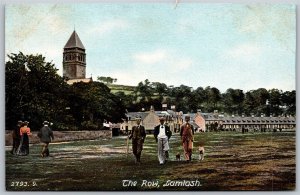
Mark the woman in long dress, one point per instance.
(24, 144)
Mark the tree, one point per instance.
(213, 97)
(288, 100)
(275, 101)
(92, 103)
(233, 101)
(144, 91)
(107, 80)
(34, 91)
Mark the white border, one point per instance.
(2, 83)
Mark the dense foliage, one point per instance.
(233, 101)
(35, 92)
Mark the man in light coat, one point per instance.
(162, 135)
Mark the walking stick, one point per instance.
(127, 146)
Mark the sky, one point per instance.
(225, 46)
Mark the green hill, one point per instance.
(121, 88)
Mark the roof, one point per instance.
(211, 116)
(74, 41)
(134, 115)
(258, 120)
(86, 80)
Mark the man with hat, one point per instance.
(45, 136)
(162, 135)
(187, 138)
(138, 135)
(16, 137)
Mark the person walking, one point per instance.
(24, 144)
(16, 137)
(187, 138)
(46, 136)
(162, 135)
(138, 135)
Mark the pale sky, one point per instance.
(219, 45)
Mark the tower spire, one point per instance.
(74, 58)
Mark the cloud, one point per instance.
(150, 57)
(162, 58)
(268, 21)
(55, 23)
(106, 27)
(244, 51)
(159, 65)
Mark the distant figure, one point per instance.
(46, 136)
(16, 138)
(24, 144)
(178, 156)
(187, 138)
(138, 135)
(162, 135)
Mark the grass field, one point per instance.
(233, 161)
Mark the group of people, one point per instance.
(162, 134)
(21, 135)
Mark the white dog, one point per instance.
(201, 152)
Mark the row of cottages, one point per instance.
(207, 121)
(216, 122)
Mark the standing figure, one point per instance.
(187, 138)
(138, 135)
(46, 136)
(24, 144)
(16, 137)
(162, 135)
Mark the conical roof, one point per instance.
(74, 41)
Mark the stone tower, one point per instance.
(74, 62)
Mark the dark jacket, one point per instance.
(16, 133)
(168, 132)
(138, 133)
(45, 134)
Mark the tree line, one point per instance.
(35, 92)
(273, 102)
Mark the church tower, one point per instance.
(74, 62)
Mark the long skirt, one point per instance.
(24, 145)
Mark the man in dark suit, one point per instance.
(138, 135)
(162, 135)
(46, 136)
(16, 137)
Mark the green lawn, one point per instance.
(233, 161)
